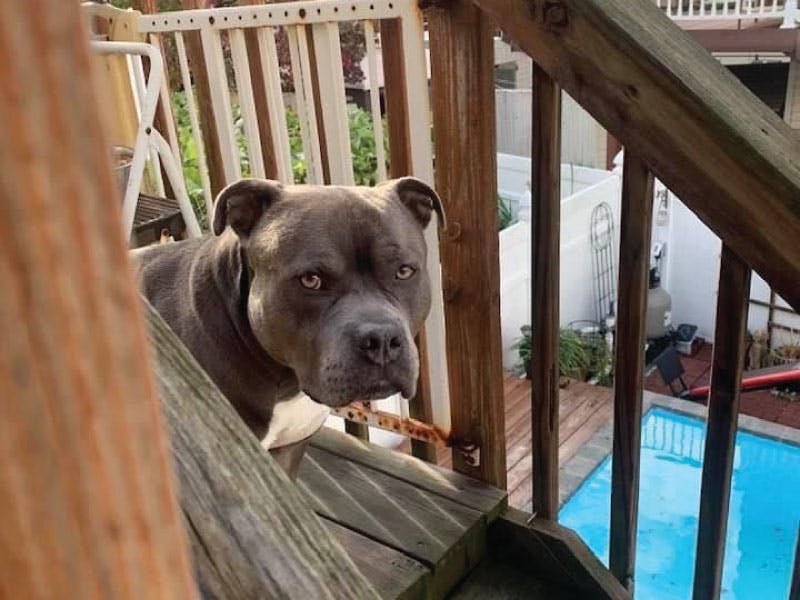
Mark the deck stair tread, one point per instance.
(416, 530)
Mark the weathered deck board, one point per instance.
(464, 490)
(252, 533)
(447, 537)
(583, 409)
(391, 573)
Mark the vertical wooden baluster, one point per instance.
(270, 142)
(306, 108)
(374, 99)
(276, 110)
(400, 164)
(194, 121)
(723, 411)
(307, 39)
(244, 87)
(326, 56)
(221, 102)
(462, 88)
(634, 262)
(197, 62)
(545, 233)
(87, 492)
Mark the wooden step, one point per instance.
(414, 530)
(500, 581)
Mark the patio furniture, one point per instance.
(670, 368)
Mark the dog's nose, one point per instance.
(380, 343)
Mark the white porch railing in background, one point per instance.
(222, 32)
(728, 9)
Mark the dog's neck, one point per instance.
(231, 277)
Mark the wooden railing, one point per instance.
(726, 9)
(680, 116)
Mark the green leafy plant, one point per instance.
(362, 143)
(574, 355)
(579, 357)
(505, 215)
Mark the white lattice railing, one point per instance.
(729, 9)
(222, 37)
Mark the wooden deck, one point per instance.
(417, 530)
(583, 409)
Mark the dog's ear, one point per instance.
(241, 204)
(419, 198)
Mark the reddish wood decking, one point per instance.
(583, 409)
(762, 403)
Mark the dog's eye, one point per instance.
(311, 280)
(405, 272)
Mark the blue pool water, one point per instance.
(763, 519)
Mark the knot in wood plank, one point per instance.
(554, 14)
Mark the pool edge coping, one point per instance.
(591, 454)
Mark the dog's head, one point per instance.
(338, 285)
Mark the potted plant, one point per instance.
(574, 354)
(525, 349)
(787, 353)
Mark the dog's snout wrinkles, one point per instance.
(380, 343)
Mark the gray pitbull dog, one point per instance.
(313, 288)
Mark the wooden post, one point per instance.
(323, 142)
(86, 487)
(260, 98)
(462, 87)
(197, 63)
(545, 226)
(723, 412)
(395, 98)
(634, 263)
(400, 165)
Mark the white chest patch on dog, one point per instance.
(294, 420)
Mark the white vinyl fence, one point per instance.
(582, 190)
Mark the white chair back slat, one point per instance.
(166, 105)
(138, 79)
(275, 105)
(247, 104)
(221, 102)
(194, 123)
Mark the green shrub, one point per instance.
(505, 215)
(579, 357)
(362, 143)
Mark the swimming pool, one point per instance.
(763, 519)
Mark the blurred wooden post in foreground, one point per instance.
(86, 490)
